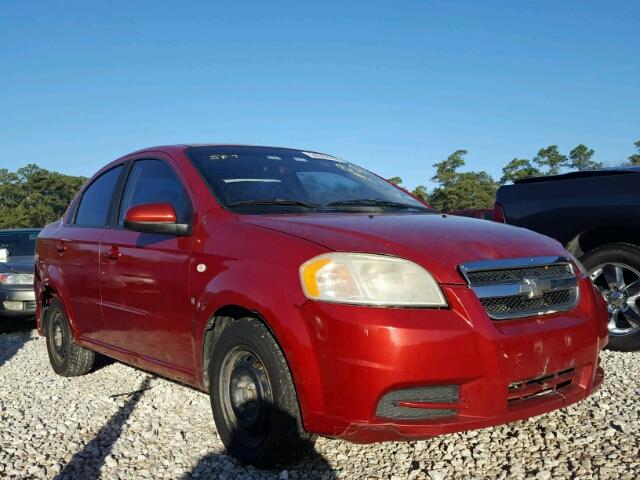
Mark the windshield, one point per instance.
(277, 179)
(19, 243)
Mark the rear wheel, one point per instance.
(66, 357)
(615, 271)
(253, 398)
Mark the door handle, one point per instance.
(61, 247)
(112, 253)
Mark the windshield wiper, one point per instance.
(273, 201)
(363, 202)
(373, 202)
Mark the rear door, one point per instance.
(145, 277)
(76, 251)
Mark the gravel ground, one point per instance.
(118, 422)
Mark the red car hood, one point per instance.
(437, 242)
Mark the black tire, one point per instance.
(624, 336)
(66, 357)
(260, 423)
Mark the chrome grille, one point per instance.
(517, 274)
(505, 305)
(523, 287)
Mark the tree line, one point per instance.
(33, 196)
(456, 190)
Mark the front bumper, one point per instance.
(22, 298)
(362, 354)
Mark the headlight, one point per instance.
(367, 279)
(16, 278)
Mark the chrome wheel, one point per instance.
(619, 285)
(246, 395)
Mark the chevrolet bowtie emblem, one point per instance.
(534, 287)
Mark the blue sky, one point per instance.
(394, 86)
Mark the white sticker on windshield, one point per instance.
(299, 159)
(322, 156)
(273, 157)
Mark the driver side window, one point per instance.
(153, 181)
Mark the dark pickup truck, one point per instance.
(596, 216)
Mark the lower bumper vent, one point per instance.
(420, 403)
(540, 386)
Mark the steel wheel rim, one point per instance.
(619, 285)
(58, 339)
(246, 396)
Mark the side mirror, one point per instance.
(155, 218)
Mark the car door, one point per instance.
(144, 277)
(75, 251)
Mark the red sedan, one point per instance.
(309, 296)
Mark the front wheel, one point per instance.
(254, 402)
(615, 271)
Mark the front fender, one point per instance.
(246, 284)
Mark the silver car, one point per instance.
(17, 261)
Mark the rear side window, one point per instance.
(96, 199)
(153, 181)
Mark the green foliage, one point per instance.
(461, 190)
(517, 169)
(635, 158)
(581, 158)
(33, 196)
(446, 171)
(551, 159)
(421, 192)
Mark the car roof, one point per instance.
(183, 146)
(601, 172)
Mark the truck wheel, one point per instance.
(254, 402)
(66, 357)
(615, 271)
